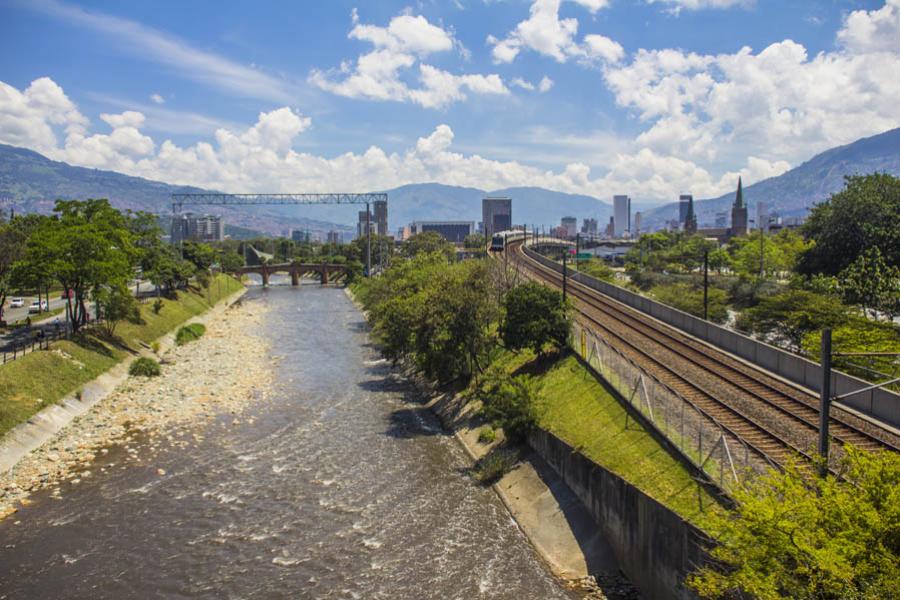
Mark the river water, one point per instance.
(340, 486)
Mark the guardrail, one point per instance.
(880, 404)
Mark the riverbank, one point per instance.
(221, 373)
(42, 379)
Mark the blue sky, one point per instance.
(651, 98)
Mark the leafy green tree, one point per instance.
(165, 268)
(474, 241)
(863, 215)
(597, 269)
(534, 316)
(13, 242)
(872, 284)
(230, 261)
(117, 303)
(202, 256)
(860, 334)
(427, 242)
(793, 314)
(87, 244)
(507, 402)
(454, 335)
(689, 299)
(796, 535)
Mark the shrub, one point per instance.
(189, 333)
(535, 316)
(157, 305)
(690, 300)
(144, 367)
(487, 435)
(155, 347)
(509, 402)
(494, 466)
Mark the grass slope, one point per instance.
(41, 378)
(575, 406)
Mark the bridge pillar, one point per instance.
(265, 277)
(295, 278)
(324, 275)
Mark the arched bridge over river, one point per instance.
(326, 272)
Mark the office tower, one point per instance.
(452, 231)
(379, 210)
(684, 200)
(496, 215)
(570, 224)
(637, 223)
(622, 215)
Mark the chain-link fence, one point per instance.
(707, 444)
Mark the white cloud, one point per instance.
(676, 6)
(545, 84)
(779, 104)
(873, 30)
(521, 83)
(148, 43)
(262, 157)
(545, 33)
(157, 99)
(398, 47)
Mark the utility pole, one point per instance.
(706, 285)
(565, 273)
(577, 247)
(368, 241)
(762, 248)
(825, 401)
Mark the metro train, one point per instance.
(501, 238)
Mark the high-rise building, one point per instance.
(379, 210)
(365, 225)
(589, 227)
(611, 228)
(738, 213)
(496, 213)
(684, 200)
(637, 223)
(335, 237)
(198, 228)
(690, 219)
(452, 231)
(300, 235)
(622, 215)
(570, 224)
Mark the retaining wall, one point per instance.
(880, 403)
(655, 547)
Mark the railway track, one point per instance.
(774, 418)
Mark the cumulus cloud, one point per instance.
(157, 99)
(779, 103)
(545, 33)
(403, 43)
(544, 85)
(873, 30)
(676, 6)
(262, 156)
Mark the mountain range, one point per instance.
(31, 182)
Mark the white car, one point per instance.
(36, 306)
(17, 303)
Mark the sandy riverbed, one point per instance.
(222, 373)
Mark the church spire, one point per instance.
(690, 219)
(739, 198)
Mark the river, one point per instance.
(338, 486)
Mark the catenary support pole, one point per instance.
(368, 241)
(825, 400)
(706, 285)
(565, 273)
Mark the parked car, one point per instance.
(17, 303)
(37, 306)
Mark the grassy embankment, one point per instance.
(575, 406)
(42, 378)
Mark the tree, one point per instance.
(13, 243)
(230, 261)
(872, 284)
(796, 535)
(793, 314)
(202, 256)
(474, 241)
(689, 299)
(117, 303)
(427, 242)
(87, 244)
(534, 316)
(165, 269)
(863, 215)
(597, 269)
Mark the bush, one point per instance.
(157, 306)
(144, 367)
(155, 347)
(189, 333)
(690, 300)
(487, 435)
(508, 402)
(535, 316)
(494, 466)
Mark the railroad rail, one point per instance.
(776, 419)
